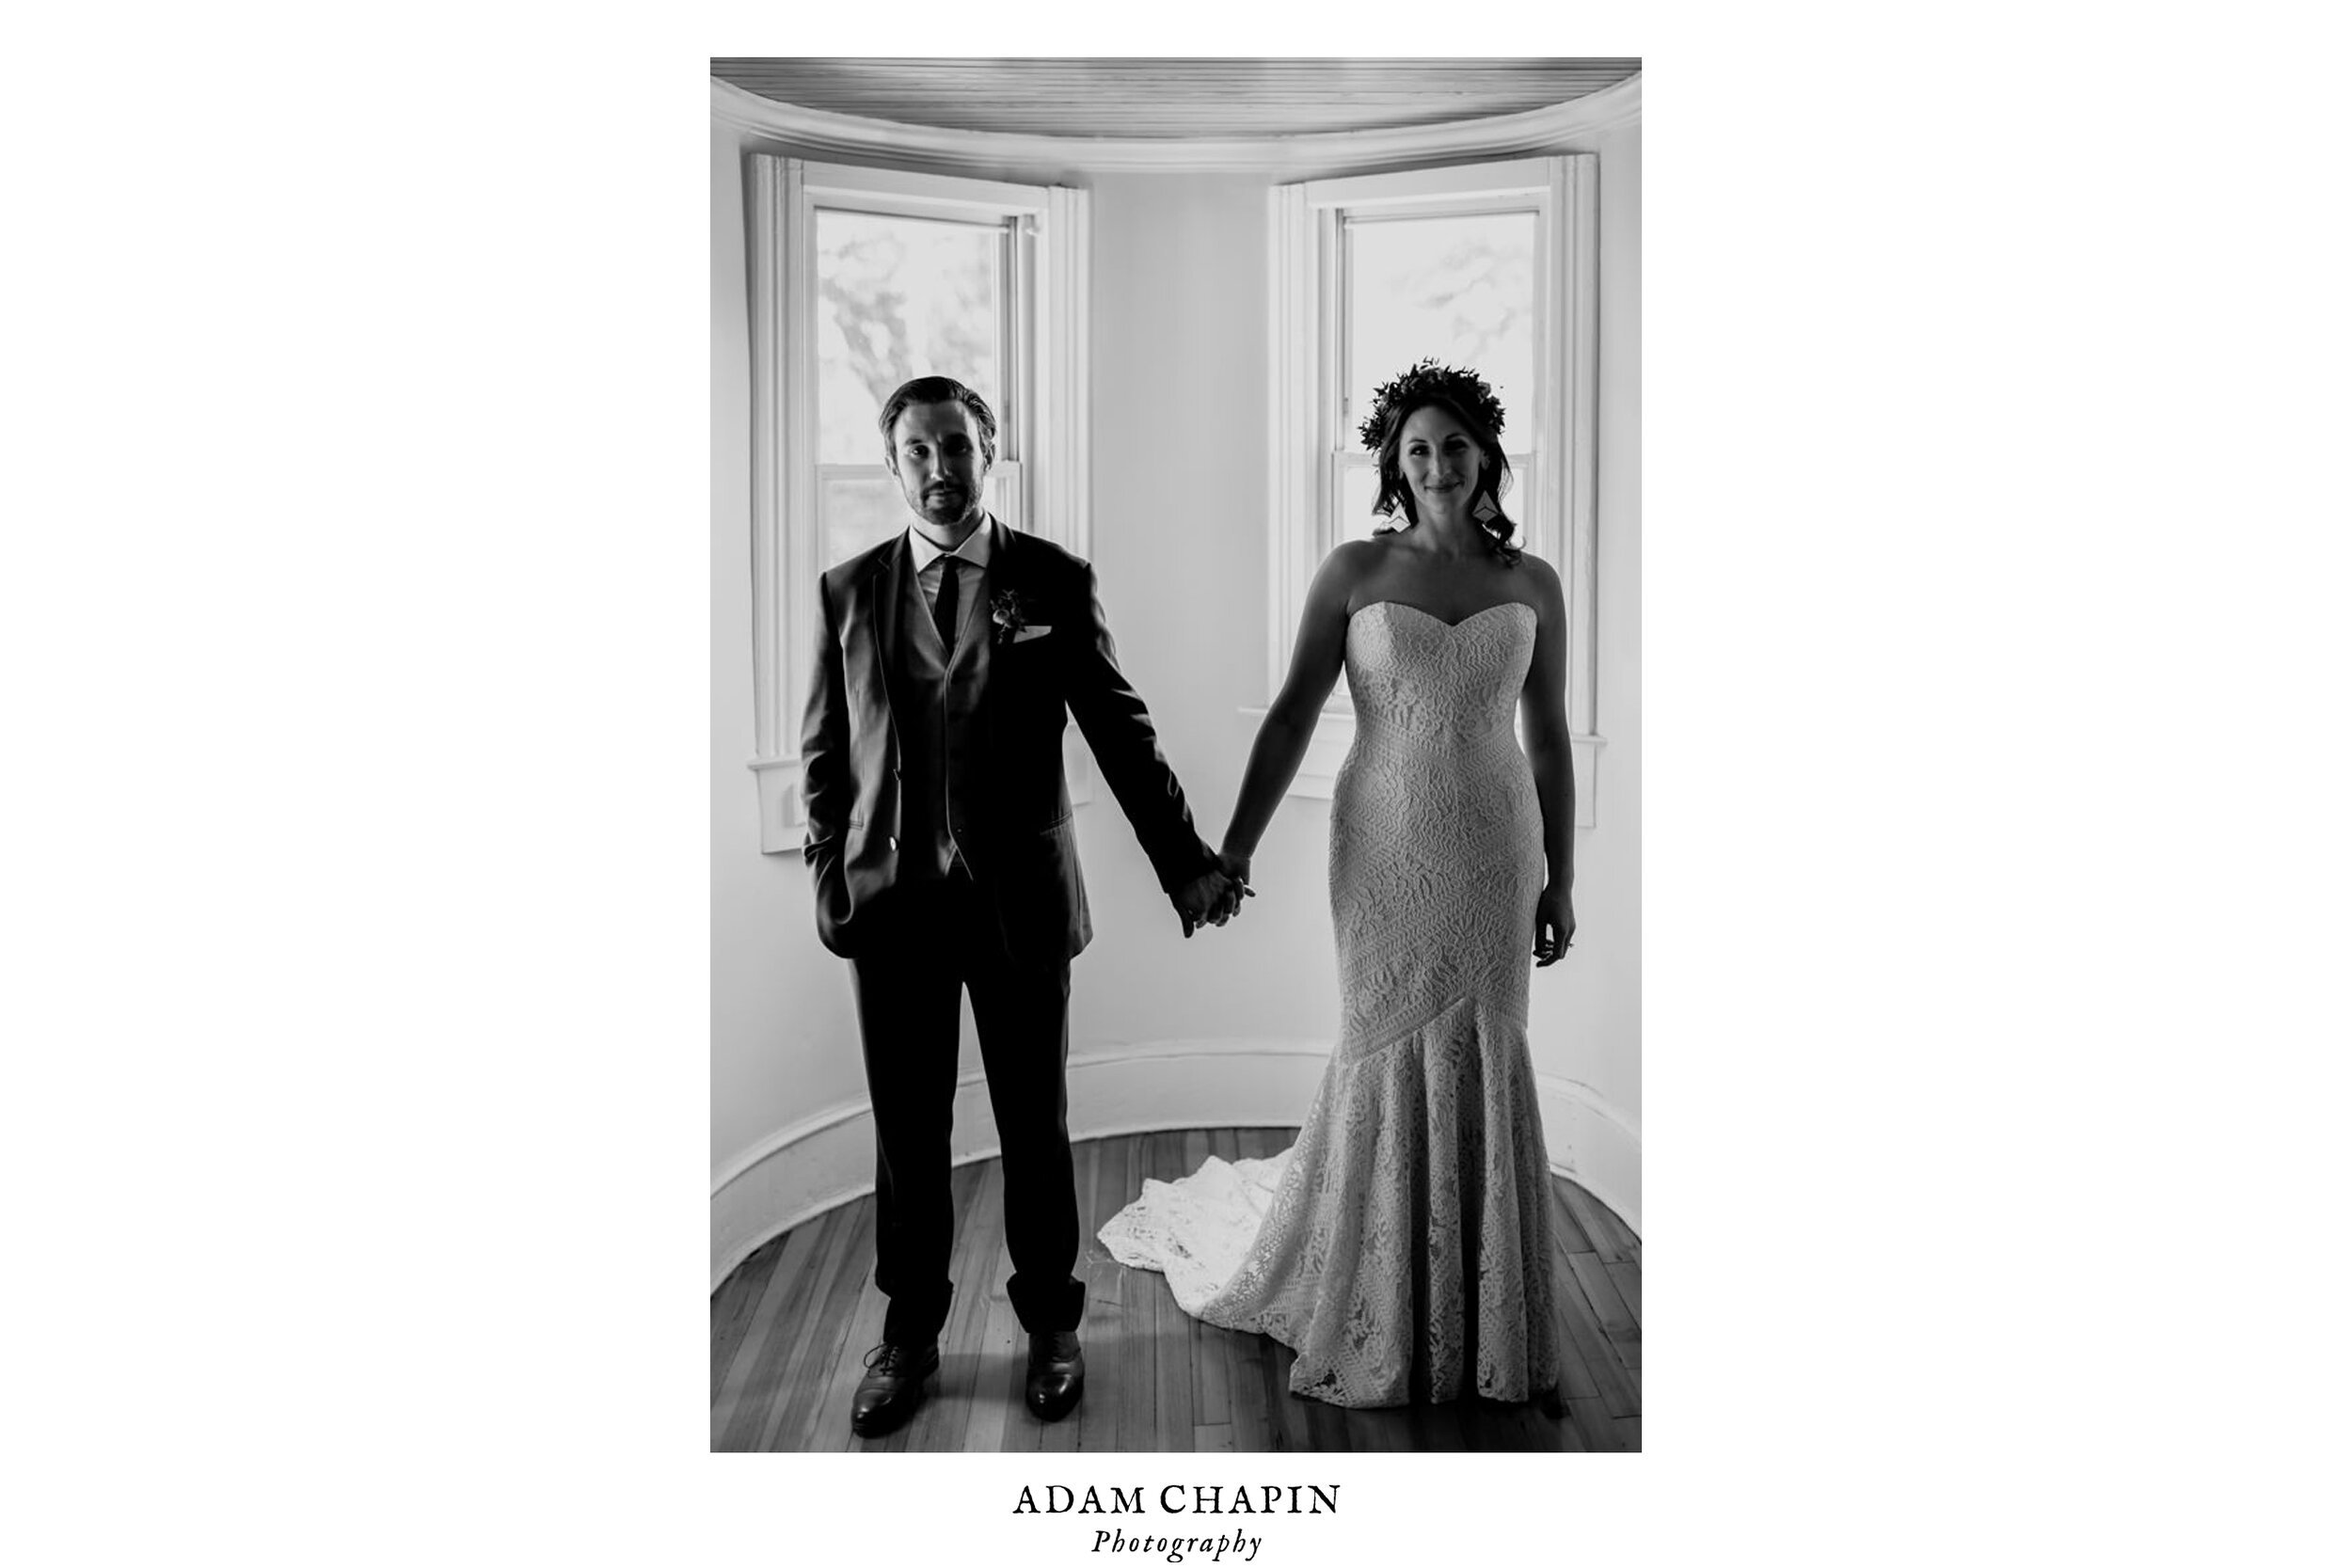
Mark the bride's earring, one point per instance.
(1486, 510)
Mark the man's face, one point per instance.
(936, 452)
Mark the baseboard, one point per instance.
(1593, 1143)
(828, 1158)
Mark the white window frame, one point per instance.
(1045, 304)
(1554, 505)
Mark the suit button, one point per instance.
(892, 843)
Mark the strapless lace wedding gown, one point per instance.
(1402, 1245)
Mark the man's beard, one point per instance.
(946, 504)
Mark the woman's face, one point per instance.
(1438, 459)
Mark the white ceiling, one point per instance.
(1172, 97)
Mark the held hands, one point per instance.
(1555, 926)
(1236, 870)
(1198, 901)
(1214, 896)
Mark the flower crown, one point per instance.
(1465, 390)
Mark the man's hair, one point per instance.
(937, 389)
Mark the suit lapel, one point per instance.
(1008, 574)
(884, 587)
(1004, 576)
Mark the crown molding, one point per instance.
(824, 134)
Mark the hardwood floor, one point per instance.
(790, 1331)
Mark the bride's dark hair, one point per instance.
(1466, 396)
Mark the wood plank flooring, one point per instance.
(790, 1328)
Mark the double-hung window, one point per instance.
(861, 279)
(1489, 266)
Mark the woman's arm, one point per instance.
(1290, 723)
(1544, 716)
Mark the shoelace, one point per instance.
(887, 1357)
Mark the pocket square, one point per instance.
(1024, 633)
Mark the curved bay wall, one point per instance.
(1232, 1028)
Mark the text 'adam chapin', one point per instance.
(1179, 1499)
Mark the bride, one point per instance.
(1402, 1245)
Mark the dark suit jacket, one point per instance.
(1015, 804)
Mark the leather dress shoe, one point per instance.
(892, 1386)
(1057, 1373)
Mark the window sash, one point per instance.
(1314, 444)
(1341, 410)
(1040, 479)
(1013, 285)
(1020, 214)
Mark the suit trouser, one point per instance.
(936, 939)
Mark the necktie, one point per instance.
(944, 607)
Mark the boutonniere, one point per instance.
(1010, 611)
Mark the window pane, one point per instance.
(1359, 485)
(856, 510)
(1004, 494)
(1518, 499)
(898, 297)
(1460, 289)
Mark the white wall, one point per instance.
(1585, 1021)
(1221, 1028)
(779, 1008)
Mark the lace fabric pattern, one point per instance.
(1402, 1245)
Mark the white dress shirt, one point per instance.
(979, 546)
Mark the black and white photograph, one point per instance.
(1222, 475)
(1111, 746)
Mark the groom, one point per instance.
(945, 859)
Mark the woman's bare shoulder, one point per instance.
(1364, 553)
(1355, 560)
(1542, 578)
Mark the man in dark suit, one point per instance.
(940, 835)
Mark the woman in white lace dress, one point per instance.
(1402, 1245)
